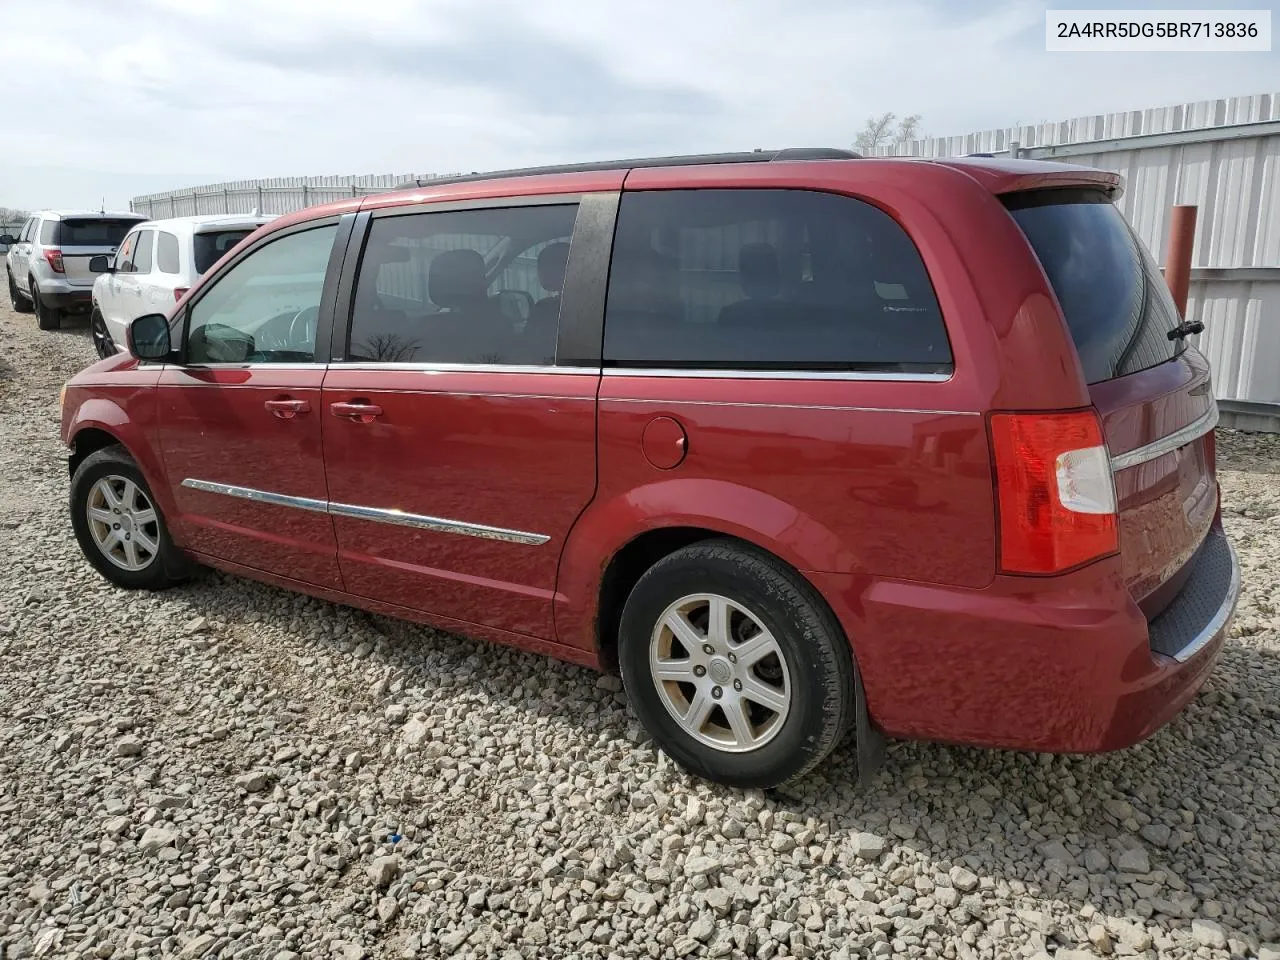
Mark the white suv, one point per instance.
(156, 264)
(48, 262)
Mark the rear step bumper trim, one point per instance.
(1205, 583)
(1192, 431)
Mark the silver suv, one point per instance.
(48, 262)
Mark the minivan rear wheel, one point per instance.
(118, 525)
(17, 299)
(735, 666)
(47, 317)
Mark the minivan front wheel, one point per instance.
(47, 317)
(118, 525)
(735, 666)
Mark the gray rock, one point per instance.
(867, 846)
(254, 782)
(1269, 951)
(155, 839)
(1132, 860)
(129, 747)
(702, 866)
(963, 879)
(415, 732)
(396, 713)
(1157, 833)
(198, 947)
(702, 928)
(383, 871)
(1208, 933)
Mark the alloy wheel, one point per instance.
(720, 672)
(123, 522)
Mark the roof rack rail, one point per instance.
(753, 156)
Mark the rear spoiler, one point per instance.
(1015, 176)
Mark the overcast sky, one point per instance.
(112, 100)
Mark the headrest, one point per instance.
(551, 264)
(457, 279)
(758, 272)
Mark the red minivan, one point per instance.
(801, 443)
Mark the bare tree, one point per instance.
(908, 129)
(877, 132)
(881, 131)
(11, 216)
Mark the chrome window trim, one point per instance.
(376, 514)
(1158, 448)
(788, 406)
(230, 365)
(732, 374)
(424, 367)
(1220, 618)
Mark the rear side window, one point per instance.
(142, 255)
(462, 286)
(210, 247)
(48, 231)
(1115, 301)
(167, 252)
(95, 232)
(768, 280)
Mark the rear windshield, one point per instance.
(1115, 300)
(93, 233)
(211, 246)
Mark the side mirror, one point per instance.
(149, 337)
(7, 239)
(100, 264)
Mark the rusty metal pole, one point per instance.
(1177, 265)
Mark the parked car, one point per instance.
(799, 443)
(47, 265)
(156, 264)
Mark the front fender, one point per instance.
(610, 524)
(127, 413)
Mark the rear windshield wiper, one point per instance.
(1185, 329)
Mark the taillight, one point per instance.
(55, 260)
(179, 292)
(1056, 495)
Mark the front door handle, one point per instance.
(287, 409)
(357, 411)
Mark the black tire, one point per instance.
(102, 342)
(818, 661)
(167, 566)
(47, 317)
(19, 302)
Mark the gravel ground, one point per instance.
(231, 770)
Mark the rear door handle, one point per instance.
(357, 411)
(287, 409)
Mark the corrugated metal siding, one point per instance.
(1224, 157)
(273, 195)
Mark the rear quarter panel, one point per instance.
(829, 476)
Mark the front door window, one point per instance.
(264, 309)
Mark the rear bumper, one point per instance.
(1064, 664)
(72, 301)
(64, 295)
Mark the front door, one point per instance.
(458, 453)
(240, 417)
